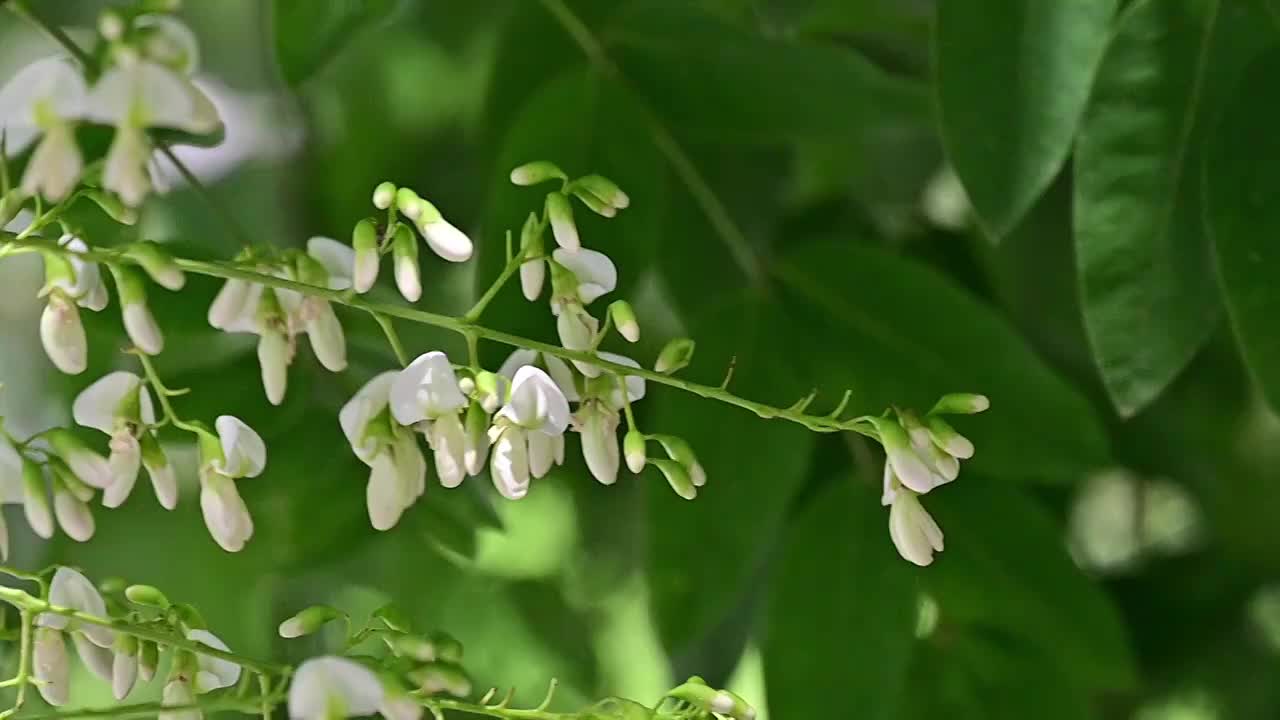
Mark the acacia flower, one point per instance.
(69, 589)
(235, 452)
(426, 395)
(398, 469)
(212, 673)
(597, 418)
(527, 432)
(69, 282)
(45, 97)
(329, 687)
(444, 239)
(913, 530)
(120, 405)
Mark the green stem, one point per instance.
(28, 604)
(512, 266)
(230, 271)
(221, 210)
(162, 394)
(151, 709)
(393, 338)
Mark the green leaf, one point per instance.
(1013, 78)
(1242, 212)
(713, 80)
(1004, 575)
(308, 33)
(842, 612)
(897, 333)
(702, 553)
(1147, 286)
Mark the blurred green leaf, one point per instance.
(1013, 78)
(309, 33)
(702, 553)
(1242, 212)
(838, 565)
(898, 333)
(1005, 574)
(716, 81)
(1148, 290)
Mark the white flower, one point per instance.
(225, 513)
(236, 452)
(558, 369)
(446, 240)
(911, 527)
(243, 454)
(178, 693)
(134, 96)
(599, 427)
(536, 402)
(73, 514)
(97, 659)
(212, 673)
(901, 455)
(50, 666)
(426, 390)
(63, 336)
(88, 289)
(124, 673)
(577, 331)
(594, 271)
(119, 405)
(398, 475)
(331, 687)
(46, 97)
(274, 355)
(336, 258)
(70, 589)
(35, 500)
(560, 213)
(509, 462)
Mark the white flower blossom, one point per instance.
(237, 451)
(558, 369)
(577, 331)
(45, 97)
(329, 687)
(212, 673)
(178, 692)
(119, 405)
(595, 273)
(70, 589)
(62, 335)
(913, 530)
(398, 469)
(124, 673)
(527, 434)
(51, 666)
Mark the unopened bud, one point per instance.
(408, 203)
(447, 647)
(533, 273)
(189, 616)
(147, 596)
(158, 264)
(111, 25)
(675, 355)
(624, 318)
(308, 621)
(438, 677)
(112, 206)
(633, 448)
(680, 451)
(605, 189)
(593, 203)
(404, 249)
(364, 240)
(476, 449)
(87, 465)
(139, 323)
(413, 646)
(535, 172)
(960, 404)
(72, 513)
(945, 437)
(560, 212)
(35, 500)
(62, 472)
(124, 665)
(696, 692)
(62, 334)
(677, 478)
(489, 389)
(384, 195)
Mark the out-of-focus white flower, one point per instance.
(594, 272)
(45, 97)
(235, 452)
(178, 693)
(398, 469)
(212, 673)
(70, 589)
(913, 530)
(119, 405)
(329, 687)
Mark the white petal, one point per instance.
(51, 666)
(223, 673)
(400, 708)
(911, 470)
(125, 461)
(246, 454)
(411, 466)
(329, 683)
(124, 673)
(560, 372)
(54, 168)
(913, 530)
(35, 505)
(97, 659)
(449, 444)
(447, 241)
(541, 453)
(142, 328)
(63, 336)
(70, 589)
(337, 258)
(51, 80)
(891, 485)
(509, 464)
(229, 304)
(635, 384)
(577, 330)
(364, 269)
(516, 360)
(328, 341)
(164, 481)
(177, 693)
(125, 173)
(225, 513)
(97, 406)
(591, 268)
(10, 473)
(426, 389)
(600, 444)
(367, 403)
(273, 358)
(536, 402)
(382, 495)
(532, 276)
(73, 516)
(408, 278)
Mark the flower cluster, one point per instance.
(142, 83)
(119, 658)
(920, 455)
(58, 461)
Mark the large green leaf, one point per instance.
(713, 80)
(702, 553)
(1146, 279)
(308, 33)
(842, 612)
(1242, 211)
(1013, 78)
(897, 333)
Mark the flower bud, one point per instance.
(308, 621)
(231, 302)
(560, 212)
(438, 677)
(111, 25)
(605, 189)
(147, 596)
(138, 321)
(364, 239)
(697, 693)
(624, 318)
(112, 206)
(274, 353)
(444, 239)
(72, 513)
(533, 273)
(945, 437)
(680, 451)
(35, 500)
(63, 336)
(677, 477)
(189, 616)
(675, 355)
(447, 646)
(960, 404)
(158, 264)
(902, 457)
(593, 203)
(124, 666)
(148, 659)
(535, 172)
(88, 466)
(404, 249)
(164, 481)
(476, 449)
(413, 646)
(328, 341)
(384, 195)
(408, 203)
(50, 665)
(633, 448)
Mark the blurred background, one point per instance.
(793, 211)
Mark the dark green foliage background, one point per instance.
(1116, 296)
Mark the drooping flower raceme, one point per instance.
(398, 470)
(235, 452)
(120, 405)
(45, 98)
(528, 432)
